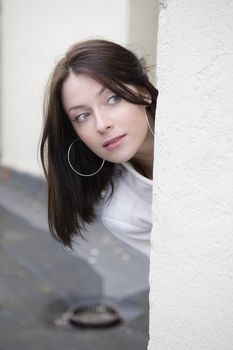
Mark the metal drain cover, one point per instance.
(93, 316)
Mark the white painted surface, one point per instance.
(191, 271)
(35, 35)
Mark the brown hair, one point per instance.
(72, 198)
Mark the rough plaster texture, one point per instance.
(191, 274)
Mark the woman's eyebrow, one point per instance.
(76, 107)
(101, 91)
(84, 106)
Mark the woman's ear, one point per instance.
(142, 92)
(146, 95)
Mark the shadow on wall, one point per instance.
(143, 29)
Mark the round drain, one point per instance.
(94, 316)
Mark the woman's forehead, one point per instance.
(81, 87)
(79, 90)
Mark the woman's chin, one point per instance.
(119, 160)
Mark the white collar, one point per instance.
(131, 169)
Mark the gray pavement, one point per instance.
(40, 281)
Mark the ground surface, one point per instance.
(40, 281)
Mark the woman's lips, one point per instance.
(114, 142)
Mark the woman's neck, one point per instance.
(144, 158)
(143, 161)
(145, 169)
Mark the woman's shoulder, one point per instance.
(133, 184)
(132, 193)
(135, 174)
(126, 179)
(127, 212)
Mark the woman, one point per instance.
(97, 143)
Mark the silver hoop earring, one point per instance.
(77, 172)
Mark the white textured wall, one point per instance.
(192, 241)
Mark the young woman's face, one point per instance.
(113, 128)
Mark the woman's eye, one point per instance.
(81, 117)
(114, 99)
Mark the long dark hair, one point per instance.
(72, 199)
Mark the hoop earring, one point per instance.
(77, 172)
(152, 132)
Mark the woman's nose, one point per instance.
(103, 122)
